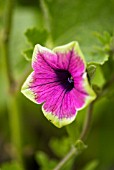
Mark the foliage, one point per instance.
(35, 36)
(44, 161)
(91, 24)
(11, 166)
(91, 165)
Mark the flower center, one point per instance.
(65, 78)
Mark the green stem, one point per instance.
(74, 151)
(12, 105)
(47, 23)
(86, 126)
(5, 45)
(14, 120)
(87, 122)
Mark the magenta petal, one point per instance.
(61, 106)
(78, 98)
(68, 107)
(41, 64)
(63, 60)
(46, 92)
(43, 60)
(76, 66)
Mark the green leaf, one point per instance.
(91, 71)
(11, 166)
(69, 24)
(98, 79)
(110, 92)
(98, 58)
(96, 89)
(49, 164)
(103, 50)
(103, 38)
(91, 165)
(57, 146)
(44, 161)
(36, 36)
(28, 54)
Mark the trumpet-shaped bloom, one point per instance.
(59, 82)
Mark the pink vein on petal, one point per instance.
(78, 98)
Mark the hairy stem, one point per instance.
(12, 105)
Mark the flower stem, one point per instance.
(87, 122)
(11, 100)
(86, 125)
(74, 151)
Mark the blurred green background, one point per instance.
(65, 21)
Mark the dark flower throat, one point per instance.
(65, 78)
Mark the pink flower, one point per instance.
(59, 81)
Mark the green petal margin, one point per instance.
(91, 94)
(40, 49)
(26, 90)
(56, 121)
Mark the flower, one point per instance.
(59, 81)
